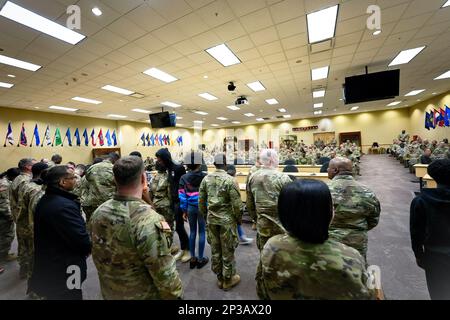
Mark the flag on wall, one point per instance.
(94, 144)
(156, 140)
(58, 140)
(444, 118)
(447, 113)
(100, 138)
(161, 140)
(108, 138)
(68, 137)
(147, 138)
(36, 136)
(143, 139)
(86, 137)
(23, 137)
(152, 140)
(77, 136)
(114, 137)
(9, 136)
(47, 137)
(180, 141)
(427, 121)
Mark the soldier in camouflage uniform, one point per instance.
(160, 196)
(403, 137)
(357, 209)
(6, 220)
(29, 196)
(220, 203)
(16, 189)
(441, 151)
(304, 263)
(99, 185)
(130, 245)
(263, 190)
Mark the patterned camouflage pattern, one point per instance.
(220, 202)
(440, 152)
(14, 192)
(292, 269)
(6, 220)
(356, 209)
(160, 190)
(77, 190)
(131, 251)
(403, 137)
(99, 187)
(263, 189)
(24, 226)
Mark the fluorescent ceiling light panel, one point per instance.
(170, 104)
(141, 111)
(11, 76)
(117, 90)
(318, 105)
(224, 55)
(202, 113)
(319, 94)
(97, 11)
(414, 93)
(272, 101)
(235, 122)
(249, 115)
(282, 110)
(6, 85)
(406, 56)
(256, 86)
(214, 125)
(19, 63)
(444, 75)
(62, 108)
(222, 118)
(30, 19)
(234, 108)
(395, 103)
(446, 4)
(208, 96)
(118, 116)
(287, 116)
(322, 24)
(354, 108)
(318, 112)
(319, 73)
(85, 100)
(160, 75)
(179, 118)
(260, 119)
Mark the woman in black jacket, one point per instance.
(61, 241)
(430, 231)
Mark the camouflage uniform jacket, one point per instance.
(5, 209)
(356, 208)
(99, 183)
(293, 269)
(31, 191)
(131, 252)
(160, 189)
(264, 187)
(14, 193)
(219, 199)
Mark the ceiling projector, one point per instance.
(241, 101)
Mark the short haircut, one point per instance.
(231, 170)
(56, 159)
(136, 154)
(113, 157)
(11, 173)
(97, 160)
(193, 160)
(128, 170)
(52, 176)
(269, 158)
(290, 169)
(24, 163)
(439, 170)
(72, 163)
(38, 168)
(220, 161)
(305, 208)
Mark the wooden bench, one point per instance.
(421, 171)
(431, 184)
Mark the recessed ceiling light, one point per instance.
(377, 32)
(287, 116)
(445, 75)
(141, 111)
(19, 63)
(256, 86)
(446, 4)
(272, 101)
(414, 93)
(319, 73)
(406, 56)
(118, 116)
(97, 11)
(434, 93)
(170, 104)
(249, 115)
(322, 24)
(117, 90)
(180, 125)
(202, 113)
(86, 100)
(236, 122)
(30, 19)
(319, 94)
(224, 55)
(160, 75)
(36, 107)
(205, 77)
(222, 118)
(63, 108)
(354, 108)
(395, 103)
(259, 119)
(318, 112)
(234, 108)
(208, 96)
(318, 105)
(214, 125)
(282, 110)
(179, 118)
(11, 76)
(6, 85)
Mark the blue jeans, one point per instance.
(241, 232)
(196, 220)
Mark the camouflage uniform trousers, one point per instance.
(6, 236)
(169, 216)
(260, 242)
(353, 238)
(88, 211)
(223, 241)
(25, 249)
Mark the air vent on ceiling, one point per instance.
(321, 46)
(137, 95)
(266, 119)
(82, 111)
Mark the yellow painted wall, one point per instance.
(417, 115)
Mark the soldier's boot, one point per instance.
(232, 282)
(186, 256)
(220, 282)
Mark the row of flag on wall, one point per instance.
(59, 140)
(159, 140)
(436, 118)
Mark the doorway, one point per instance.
(354, 137)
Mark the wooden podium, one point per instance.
(101, 152)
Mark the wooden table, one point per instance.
(431, 184)
(421, 171)
(242, 189)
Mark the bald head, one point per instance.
(269, 158)
(339, 166)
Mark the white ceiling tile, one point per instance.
(287, 10)
(257, 20)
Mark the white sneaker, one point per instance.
(245, 240)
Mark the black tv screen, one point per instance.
(372, 87)
(161, 120)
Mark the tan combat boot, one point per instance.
(230, 283)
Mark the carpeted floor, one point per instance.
(389, 247)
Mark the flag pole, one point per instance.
(53, 142)
(62, 145)
(32, 138)
(6, 138)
